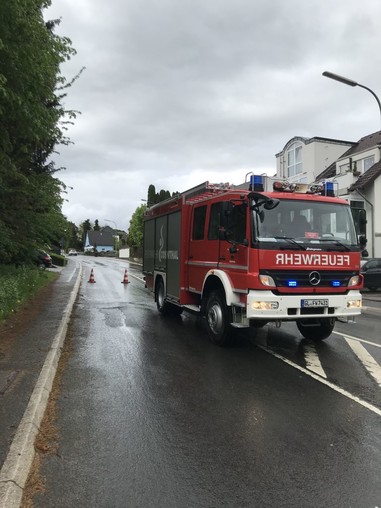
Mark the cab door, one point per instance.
(235, 238)
(204, 245)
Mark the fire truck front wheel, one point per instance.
(217, 318)
(316, 330)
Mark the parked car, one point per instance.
(43, 259)
(72, 252)
(371, 270)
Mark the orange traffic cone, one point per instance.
(125, 278)
(92, 280)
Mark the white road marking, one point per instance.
(71, 275)
(345, 335)
(337, 389)
(366, 359)
(312, 360)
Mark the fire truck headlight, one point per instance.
(354, 281)
(265, 305)
(354, 304)
(267, 280)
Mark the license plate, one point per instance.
(316, 302)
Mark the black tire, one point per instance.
(316, 330)
(161, 304)
(217, 319)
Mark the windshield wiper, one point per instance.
(334, 241)
(290, 240)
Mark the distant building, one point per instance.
(101, 241)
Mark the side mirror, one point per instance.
(362, 241)
(270, 204)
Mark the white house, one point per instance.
(354, 166)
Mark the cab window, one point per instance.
(199, 215)
(214, 221)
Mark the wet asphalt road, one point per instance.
(153, 415)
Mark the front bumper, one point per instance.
(266, 305)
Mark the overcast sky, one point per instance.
(177, 92)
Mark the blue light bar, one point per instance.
(329, 189)
(256, 183)
(292, 283)
(336, 283)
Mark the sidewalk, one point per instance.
(29, 353)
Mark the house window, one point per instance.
(368, 163)
(343, 169)
(363, 165)
(294, 160)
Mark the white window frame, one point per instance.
(294, 166)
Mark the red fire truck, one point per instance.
(240, 257)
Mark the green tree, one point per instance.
(32, 122)
(135, 231)
(151, 195)
(96, 225)
(84, 228)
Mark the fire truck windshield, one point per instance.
(306, 222)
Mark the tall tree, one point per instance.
(32, 122)
(151, 195)
(135, 231)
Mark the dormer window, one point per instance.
(368, 163)
(294, 160)
(362, 165)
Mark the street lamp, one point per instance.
(109, 220)
(350, 82)
(116, 237)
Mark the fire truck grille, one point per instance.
(301, 278)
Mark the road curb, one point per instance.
(15, 470)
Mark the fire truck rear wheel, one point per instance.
(162, 305)
(217, 319)
(318, 330)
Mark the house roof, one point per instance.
(315, 139)
(100, 238)
(365, 143)
(366, 178)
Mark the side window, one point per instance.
(237, 223)
(199, 215)
(214, 221)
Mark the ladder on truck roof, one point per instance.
(204, 191)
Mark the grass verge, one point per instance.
(18, 285)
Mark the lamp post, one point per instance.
(109, 220)
(350, 82)
(116, 237)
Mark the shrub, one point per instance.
(19, 284)
(58, 260)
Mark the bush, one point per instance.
(17, 285)
(58, 260)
